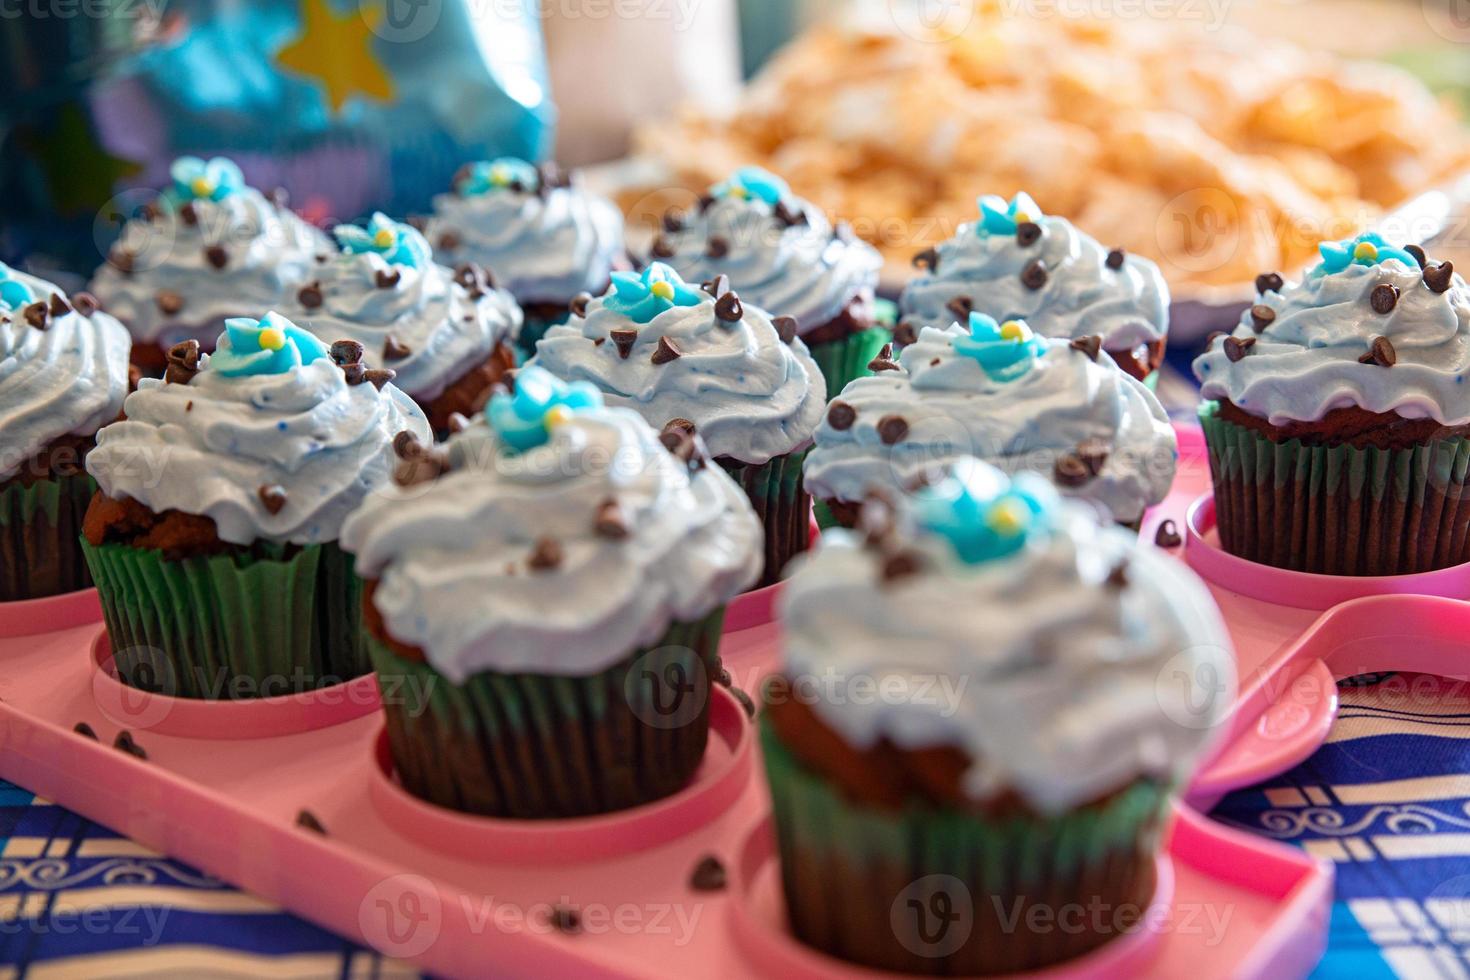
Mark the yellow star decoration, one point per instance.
(337, 50)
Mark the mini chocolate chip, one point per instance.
(717, 247)
(183, 362)
(1034, 276)
(449, 241)
(307, 820)
(1418, 254)
(473, 278)
(1090, 345)
(673, 220)
(565, 919)
(1380, 352)
(1236, 348)
(1262, 317)
(1269, 282)
(86, 304)
(900, 565)
(59, 306)
(718, 286)
(662, 249)
(625, 339)
(665, 351)
(149, 212)
(1115, 259)
(884, 361)
(126, 743)
(1093, 453)
(598, 341)
(272, 497)
(387, 278)
(85, 730)
(892, 428)
(406, 445)
(1167, 535)
(216, 256)
(927, 259)
(189, 406)
(905, 333)
(546, 554)
(395, 349)
(378, 377)
(728, 307)
(423, 468)
(458, 422)
(355, 373)
(188, 214)
(708, 876)
(1438, 277)
(345, 352)
(785, 328)
(1027, 233)
(841, 415)
(680, 425)
(960, 307)
(1383, 298)
(123, 261)
(1118, 577)
(35, 314)
(1071, 471)
(789, 216)
(169, 302)
(310, 295)
(610, 522)
(578, 306)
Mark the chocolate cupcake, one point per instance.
(1337, 416)
(527, 579)
(209, 248)
(1045, 683)
(1016, 263)
(1007, 396)
(213, 536)
(448, 335)
(783, 255)
(698, 361)
(545, 238)
(63, 375)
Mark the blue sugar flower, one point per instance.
(541, 402)
(199, 180)
(270, 345)
(640, 298)
(983, 514)
(1368, 248)
(1005, 350)
(999, 218)
(13, 293)
(397, 243)
(502, 173)
(749, 183)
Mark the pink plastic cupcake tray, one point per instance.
(225, 787)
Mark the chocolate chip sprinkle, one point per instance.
(458, 422)
(310, 295)
(1418, 254)
(272, 497)
(1262, 317)
(1236, 348)
(406, 445)
(188, 214)
(395, 349)
(1091, 345)
(169, 302)
(960, 307)
(1167, 535)
(673, 220)
(122, 260)
(85, 730)
(565, 919)
(1034, 276)
(1028, 233)
(884, 361)
(1269, 282)
(708, 876)
(1093, 453)
(1070, 470)
(892, 429)
(378, 377)
(785, 328)
(610, 521)
(927, 259)
(1383, 298)
(579, 302)
(1380, 352)
(183, 362)
(900, 565)
(307, 820)
(1118, 577)
(1438, 277)
(665, 351)
(728, 308)
(216, 256)
(449, 241)
(35, 314)
(718, 286)
(423, 467)
(841, 415)
(59, 306)
(1116, 258)
(546, 554)
(625, 339)
(662, 249)
(345, 352)
(387, 278)
(717, 247)
(124, 742)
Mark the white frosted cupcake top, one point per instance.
(780, 251)
(212, 248)
(63, 367)
(669, 351)
(428, 324)
(555, 539)
(1367, 328)
(1063, 657)
(544, 238)
(1016, 401)
(268, 437)
(1017, 263)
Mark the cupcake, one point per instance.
(1015, 400)
(781, 253)
(63, 375)
(697, 361)
(1044, 684)
(545, 238)
(213, 535)
(208, 249)
(1337, 416)
(1017, 263)
(525, 581)
(447, 335)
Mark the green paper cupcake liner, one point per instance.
(259, 623)
(534, 746)
(1338, 510)
(532, 330)
(39, 528)
(782, 504)
(947, 892)
(847, 359)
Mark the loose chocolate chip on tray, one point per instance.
(709, 875)
(126, 743)
(85, 730)
(1167, 535)
(307, 820)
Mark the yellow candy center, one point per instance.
(499, 176)
(739, 192)
(556, 415)
(201, 187)
(1014, 330)
(1022, 217)
(384, 238)
(272, 338)
(662, 290)
(1366, 250)
(1007, 517)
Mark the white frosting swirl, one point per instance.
(451, 556)
(544, 249)
(68, 379)
(750, 396)
(269, 251)
(1305, 363)
(954, 409)
(446, 331)
(1056, 685)
(802, 271)
(1081, 297)
(207, 447)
